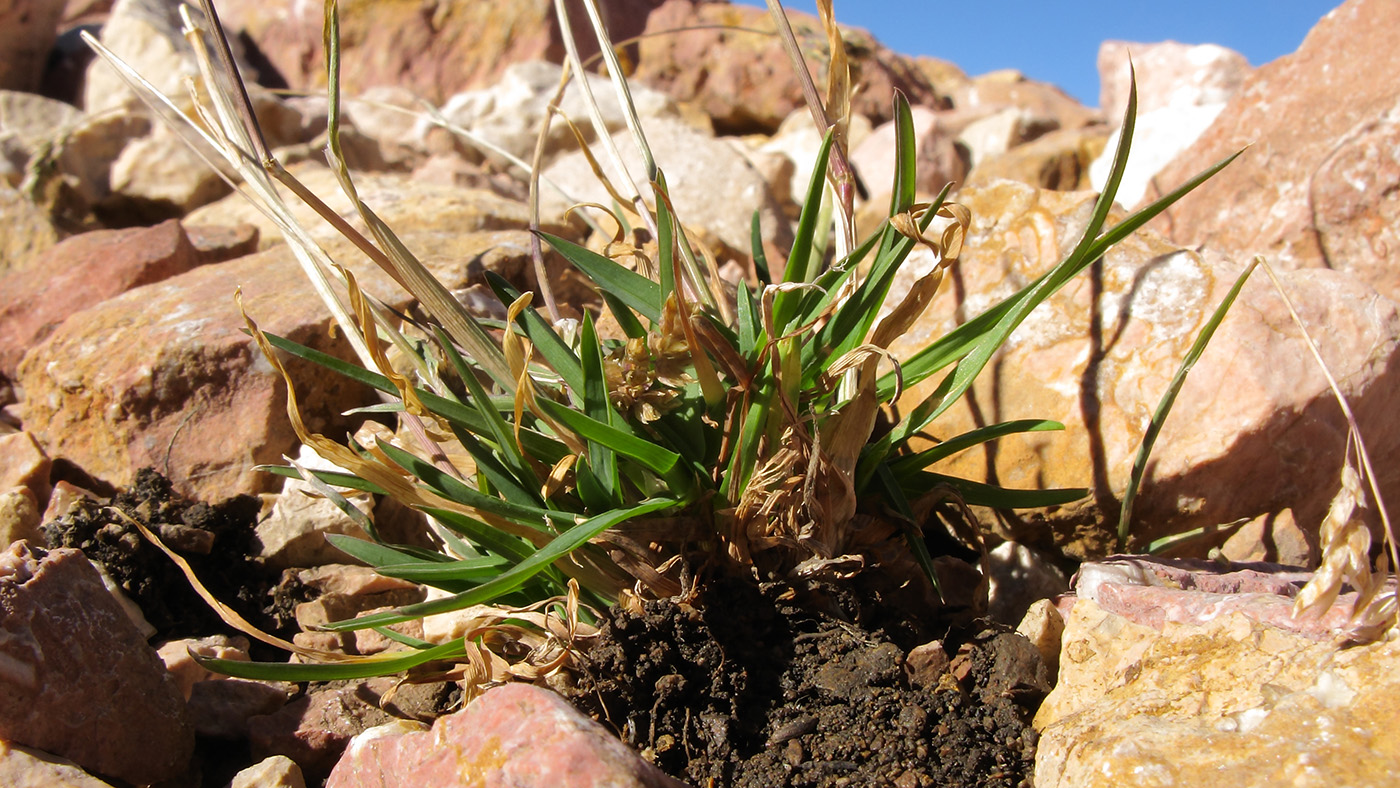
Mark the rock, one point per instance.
(28, 230)
(744, 81)
(509, 113)
(1042, 106)
(1058, 160)
(406, 204)
(176, 654)
(1276, 537)
(79, 673)
(692, 162)
(164, 376)
(63, 498)
(278, 771)
(1169, 74)
(1044, 626)
(456, 48)
(516, 734)
(30, 121)
(1158, 137)
(24, 464)
(995, 134)
(19, 516)
(28, 29)
(1228, 677)
(796, 141)
(924, 665)
(82, 159)
(81, 272)
(938, 162)
(21, 767)
(1317, 187)
(293, 525)
(216, 244)
(221, 709)
(314, 729)
(1181, 90)
(1018, 577)
(159, 177)
(146, 35)
(1253, 429)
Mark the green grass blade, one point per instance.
(375, 554)
(1164, 407)
(630, 287)
(801, 267)
(979, 494)
(361, 668)
(652, 457)
(335, 478)
(454, 489)
(913, 535)
(760, 257)
(967, 440)
(601, 459)
(512, 578)
(906, 156)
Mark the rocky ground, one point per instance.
(121, 350)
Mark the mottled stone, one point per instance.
(77, 673)
(278, 771)
(1263, 701)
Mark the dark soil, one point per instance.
(216, 540)
(780, 686)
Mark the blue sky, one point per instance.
(1059, 42)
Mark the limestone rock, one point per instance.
(1041, 106)
(797, 142)
(27, 31)
(1018, 577)
(82, 272)
(160, 177)
(1259, 698)
(19, 516)
(1058, 160)
(28, 121)
(1317, 187)
(1253, 430)
(1169, 74)
(408, 205)
(79, 673)
(294, 524)
(145, 34)
(28, 230)
(694, 164)
(176, 654)
(24, 464)
(164, 376)
(509, 113)
(516, 734)
(278, 771)
(21, 767)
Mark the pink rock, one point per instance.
(515, 735)
(434, 55)
(178, 659)
(744, 81)
(81, 272)
(78, 675)
(164, 375)
(938, 163)
(1318, 185)
(1254, 429)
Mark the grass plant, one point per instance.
(707, 428)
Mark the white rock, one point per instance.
(278, 771)
(296, 522)
(1158, 136)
